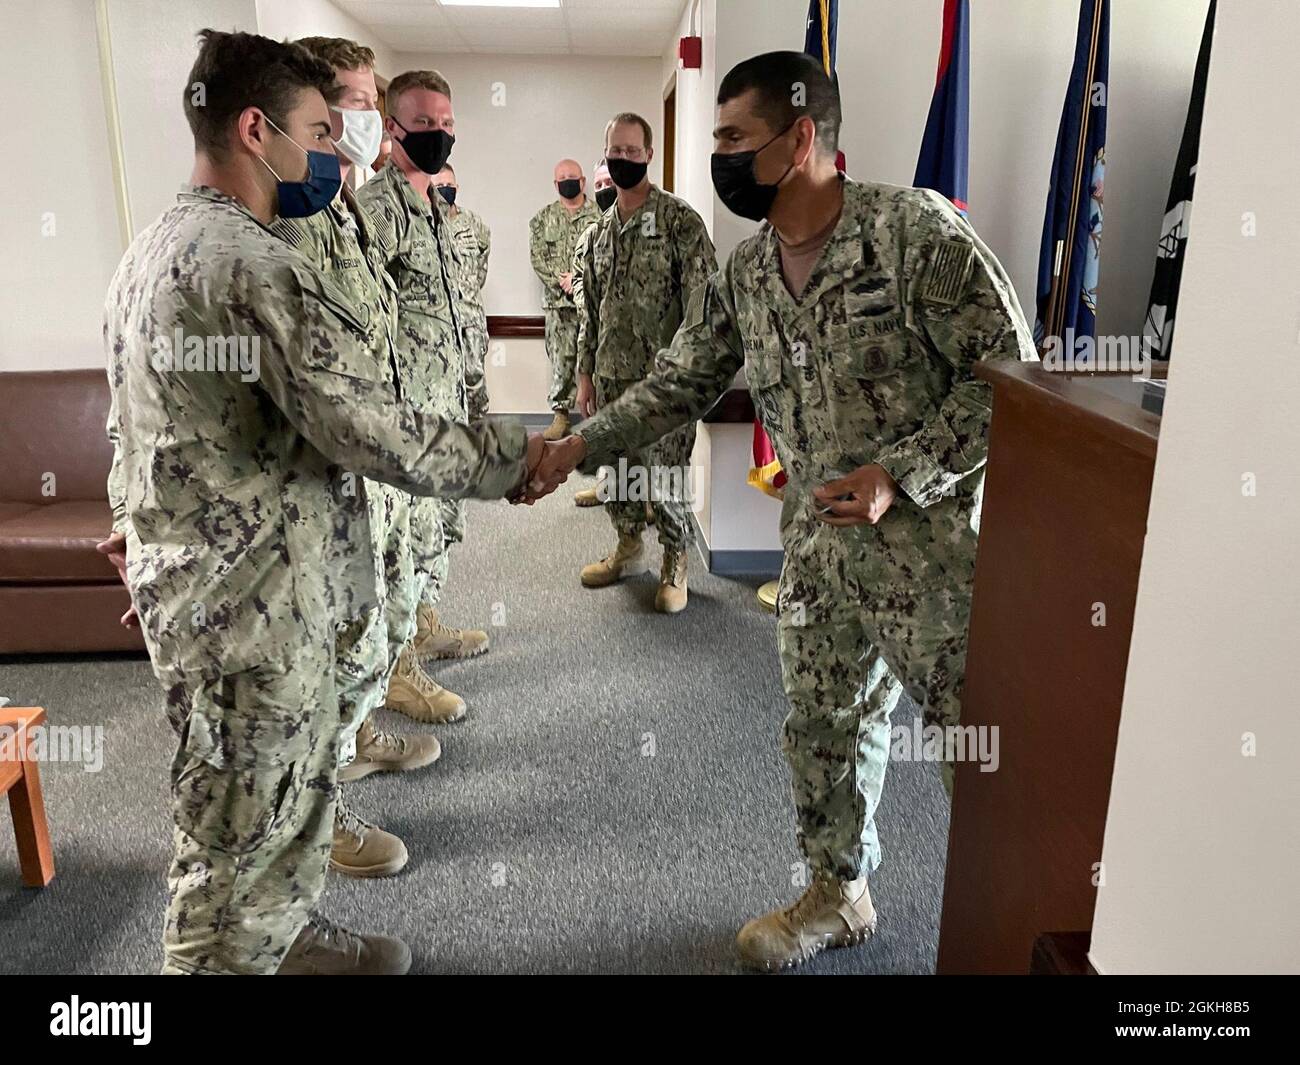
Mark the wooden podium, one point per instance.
(1065, 508)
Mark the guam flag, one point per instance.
(819, 41)
(1069, 261)
(945, 148)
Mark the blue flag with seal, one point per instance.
(1069, 262)
(944, 162)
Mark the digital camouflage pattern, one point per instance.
(248, 546)
(473, 243)
(553, 234)
(638, 277)
(874, 364)
(434, 333)
(579, 258)
(482, 250)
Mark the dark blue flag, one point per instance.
(1070, 260)
(945, 149)
(1172, 249)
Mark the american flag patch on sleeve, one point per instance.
(948, 272)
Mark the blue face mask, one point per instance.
(298, 199)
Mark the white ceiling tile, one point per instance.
(630, 22)
(585, 27)
(675, 7)
(376, 13)
(519, 18)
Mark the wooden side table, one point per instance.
(21, 780)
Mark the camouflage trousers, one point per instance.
(252, 787)
(843, 676)
(562, 352)
(671, 508)
(451, 519)
(367, 649)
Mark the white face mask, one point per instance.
(362, 132)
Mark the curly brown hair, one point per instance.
(339, 52)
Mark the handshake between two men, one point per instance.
(549, 464)
(860, 498)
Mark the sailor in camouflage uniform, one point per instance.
(553, 233)
(648, 254)
(858, 313)
(340, 242)
(248, 541)
(606, 193)
(435, 334)
(473, 243)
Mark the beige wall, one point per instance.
(59, 226)
(1202, 849)
(291, 19)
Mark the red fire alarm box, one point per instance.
(690, 50)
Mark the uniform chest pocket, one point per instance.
(418, 280)
(868, 347)
(762, 345)
(344, 339)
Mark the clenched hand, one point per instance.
(861, 498)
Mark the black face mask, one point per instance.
(605, 197)
(569, 188)
(448, 193)
(625, 173)
(736, 186)
(429, 149)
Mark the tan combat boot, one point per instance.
(417, 695)
(627, 560)
(384, 752)
(559, 427)
(324, 949)
(363, 849)
(433, 639)
(588, 497)
(671, 597)
(831, 913)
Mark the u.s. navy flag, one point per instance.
(945, 148)
(1069, 262)
(1159, 330)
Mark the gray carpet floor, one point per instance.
(615, 800)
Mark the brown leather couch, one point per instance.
(57, 593)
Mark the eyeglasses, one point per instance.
(620, 151)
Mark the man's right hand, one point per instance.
(586, 398)
(566, 283)
(115, 550)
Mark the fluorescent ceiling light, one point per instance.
(500, 3)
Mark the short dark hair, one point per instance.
(415, 79)
(235, 71)
(781, 80)
(629, 118)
